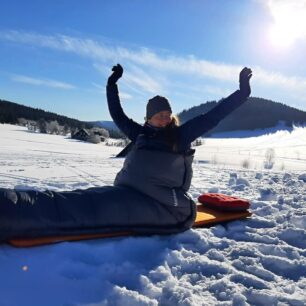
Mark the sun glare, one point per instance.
(289, 22)
(282, 36)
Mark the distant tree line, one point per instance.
(47, 122)
(10, 112)
(46, 127)
(115, 134)
(256, 113)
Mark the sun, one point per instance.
(289, 22)
(282, 35)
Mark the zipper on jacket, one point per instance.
(174, 197)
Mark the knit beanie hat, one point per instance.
(156, 105)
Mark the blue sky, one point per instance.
(57, 55)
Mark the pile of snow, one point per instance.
(258, 261)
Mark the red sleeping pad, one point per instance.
(223, 202)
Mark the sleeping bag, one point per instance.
(107, 209)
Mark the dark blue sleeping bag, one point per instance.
(29, 214)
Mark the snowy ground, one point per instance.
(260, 261)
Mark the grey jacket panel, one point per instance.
(189, 172)
(164, 176)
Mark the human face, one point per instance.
(161, 119)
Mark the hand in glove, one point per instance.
(244, 81)
(116, 75)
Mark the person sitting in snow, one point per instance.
(150, 193)
(160, 161)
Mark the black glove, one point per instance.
(116, 75)
(244, 81)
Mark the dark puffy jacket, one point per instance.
(155, 167)
(155, 138)
(164, 176)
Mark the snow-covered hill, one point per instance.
(286, 149)
(259, 261)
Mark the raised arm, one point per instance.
(201, 124)
(129, 127)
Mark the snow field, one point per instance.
(288, 148)
(258, 261)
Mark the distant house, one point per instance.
(81, 134)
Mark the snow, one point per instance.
(289, 149)
(258, 261)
